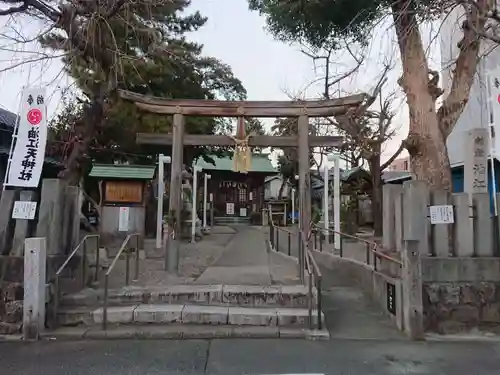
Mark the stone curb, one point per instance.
(242, 295)
(182, 333)
(194, 314)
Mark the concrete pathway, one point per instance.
(249, 356)
(245, 260)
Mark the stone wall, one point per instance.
(461, 294)
(461, 307)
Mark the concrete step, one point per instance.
(217, 295)
(190, 314)
(178, 331)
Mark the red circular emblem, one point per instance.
(34, 116)
(498, 98)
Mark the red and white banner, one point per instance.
(29, 151)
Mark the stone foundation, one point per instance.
(12, 289)
(461, 306)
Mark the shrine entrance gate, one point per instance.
(240, 109)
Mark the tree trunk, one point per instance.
(93, 116)
(376, 196)
(426, 143)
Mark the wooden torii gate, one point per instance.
(240, 109)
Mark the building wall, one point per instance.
(402, 164)
(475, 114)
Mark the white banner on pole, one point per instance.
(29, 152)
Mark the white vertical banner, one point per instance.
(29, 152)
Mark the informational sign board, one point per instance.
(24, 210)
(29, 151)
(229, 208)
(124, 219)
(391, 298)
(441, 214)
(123, 191)
(243, 212)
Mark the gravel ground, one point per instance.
(194, 259)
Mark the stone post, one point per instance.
(415, 221)
(6, 229)
(34, 287)
(388, 220)
(50, 215)
(476, 161)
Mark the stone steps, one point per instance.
(177, 331)
(291, 296)
(190, 314)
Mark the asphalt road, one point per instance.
(251, 356)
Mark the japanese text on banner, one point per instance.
(29, 151)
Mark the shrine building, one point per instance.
(236, 196)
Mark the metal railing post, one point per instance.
(278, 240)
(319, 307)
(137, 258)
(127, 266)
(289, 244)
(97, 260)
(56, 301)
(84, 264)
(315, 240)
(320, 241)
(310, 300)
(368, 251)
(105, 306)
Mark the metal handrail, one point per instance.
(306, 261)
(315, 277)
(125, 247)
(371, 246)
(83, 265)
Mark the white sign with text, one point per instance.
(24, 210)
(441, 214)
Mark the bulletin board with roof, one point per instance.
(122, 197)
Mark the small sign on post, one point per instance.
(441, 214)
(123, 219)
(391, 298)
(24, 210)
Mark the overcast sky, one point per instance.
(268, 69)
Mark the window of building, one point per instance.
(242, 195)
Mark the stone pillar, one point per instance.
(476, 161)
(50, 215)
(22, 230)
(415, 212)
(464, 235)
(388, 219)
(35, 258)
(6, 228)
(416, 229)
(175, 200)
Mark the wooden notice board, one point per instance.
(123, 191)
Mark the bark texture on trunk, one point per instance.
(376, 196)
(429, 128)
(426, 143)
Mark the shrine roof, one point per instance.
(260, 163)
(123, 171)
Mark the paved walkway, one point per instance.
(245, 260)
